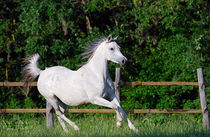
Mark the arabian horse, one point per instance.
(91, 83)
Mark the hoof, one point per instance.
(136, 130)
(131, 126)
(76, 128)
(66, 130)
(119, 124)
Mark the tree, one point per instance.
(163, 40)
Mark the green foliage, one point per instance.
(163, 40)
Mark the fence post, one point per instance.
(49, 115)
(117, 83)
(203, 97)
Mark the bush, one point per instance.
(163, 41)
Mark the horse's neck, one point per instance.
(99, 65)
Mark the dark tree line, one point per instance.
(164, 40)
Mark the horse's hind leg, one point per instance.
(54, 102)
(62, 108)
(59, 110)
(67, 120)
(62, 124)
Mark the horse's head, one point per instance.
(112, 51)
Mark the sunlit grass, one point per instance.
(105, 126)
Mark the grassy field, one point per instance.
(104, 126)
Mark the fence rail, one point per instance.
(135, 111)
(139, 83)
(16, 84)
(49, 113)
(136, 83)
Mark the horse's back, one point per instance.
(54, 73)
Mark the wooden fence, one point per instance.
(117, 83)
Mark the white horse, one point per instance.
(89, 84)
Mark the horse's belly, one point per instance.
(74, 99)
(71, 94)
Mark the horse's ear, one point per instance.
(115, 39)
(109, 38)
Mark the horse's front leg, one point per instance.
(114, 104)
(123, 115)
(119, 119)
(103, 102)
(118, 116)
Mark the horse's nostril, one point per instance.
(123, 61)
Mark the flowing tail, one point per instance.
(30, 71)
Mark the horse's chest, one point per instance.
(107, 90)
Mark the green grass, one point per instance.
(105, 126)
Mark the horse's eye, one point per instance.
(111, 48)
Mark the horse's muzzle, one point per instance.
(124, 60)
